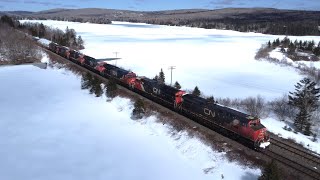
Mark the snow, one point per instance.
(51, 129)
(264, 144)
(45, 58)
(277, 54)
(44, 42)
(276, 127)
(219, 62)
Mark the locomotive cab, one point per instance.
(259, 133)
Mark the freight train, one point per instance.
(234, 124)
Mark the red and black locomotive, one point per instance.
(227, 121)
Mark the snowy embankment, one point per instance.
(51, 129)
(276, 127)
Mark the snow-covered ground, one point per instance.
(221, 63)
(276, 127)
(51, 129)
(277, 54)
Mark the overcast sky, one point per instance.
(151, 5)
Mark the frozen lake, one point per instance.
(221, 63)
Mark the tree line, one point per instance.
(296, 28)
(96, 20)
(67, 38)
(293, 46)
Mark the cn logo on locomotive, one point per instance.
(209, 112)
(156, 91)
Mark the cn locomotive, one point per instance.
(227, 121)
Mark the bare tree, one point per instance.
(256, 106)
(281, 108)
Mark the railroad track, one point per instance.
(307, 155)
(312, 173)
(298, 159)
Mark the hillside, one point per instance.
(263, 20)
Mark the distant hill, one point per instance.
(264, 20)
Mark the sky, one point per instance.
(152, 5)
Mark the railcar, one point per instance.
(74, 55)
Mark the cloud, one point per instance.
(10, 1)
(224, 2)
(221, 3)
(71, 6)
(42, 3)
(139, 2)
(131, 7)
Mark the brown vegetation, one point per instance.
(16, 47)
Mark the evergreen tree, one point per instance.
(300, 44)
(80, 43)
(291, 48)
(196, 91)
(305, 99)
(111, 88)
(277, 42)
(285, 42)
(8, 20)
(269, 44)
(274, 44)
(211, 99)
(156, 78)
(316, 51)
(270, 172)
(85, 81)
(161, 78)
(139, 109)
(177, 85)
(42, 31)
(96, 86)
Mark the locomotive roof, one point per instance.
(201, 101)
(258, 126)
(169, 89)
(107, 59)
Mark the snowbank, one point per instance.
(276, 127)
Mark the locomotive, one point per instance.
(234, 124)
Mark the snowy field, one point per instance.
(51, 129)
(221, 63)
